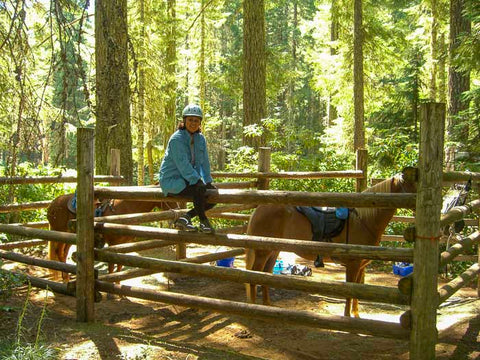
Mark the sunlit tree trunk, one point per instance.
(202, 58)
(359, 133)
(112, 87)
(291, 87)
(458, 82)
(442, 87)
(171, 59)
(141, 96)
(254, 68)
(332, 110)
(433, 51)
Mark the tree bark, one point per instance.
(359, 133)
(332, 110)
(254, 68)
(202, 57)
(433, 51)
(141, 96)
(171, 59)
(458, 82)
(112, 86)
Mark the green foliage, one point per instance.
(384, 159)
(32, 192)
(8, 282)
(18, 349)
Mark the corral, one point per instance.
(417, 325)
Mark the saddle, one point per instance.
(100, 206)
(455, 196)
(327, 222)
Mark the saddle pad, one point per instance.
(72, 204)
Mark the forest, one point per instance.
(314, 80)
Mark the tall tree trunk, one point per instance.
(291, 86)
(433, 52)
(254, 68)
(151, 172)
(458, 82)
(171, 70)
(202, 57)
(359, 133)
(112, 87)
(141, 97)
(442, 88)
(332, 110)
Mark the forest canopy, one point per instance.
(183, 51)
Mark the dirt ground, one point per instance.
(129, 328)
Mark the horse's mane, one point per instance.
(385, 186)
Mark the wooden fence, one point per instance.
(417, 324)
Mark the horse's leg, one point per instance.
(259, 264)
(360, 279)
(62, 253)
(351, 273)
(53, 255)
(112, 268)
(269, 265)
(251, 289)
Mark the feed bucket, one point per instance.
(228, 262)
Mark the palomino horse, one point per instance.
(58, 215)
(365, 227)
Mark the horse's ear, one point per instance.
(410, 174)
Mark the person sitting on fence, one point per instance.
(185, 169)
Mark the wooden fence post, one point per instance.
(85, 286)
(115, 163)
(423, 337)
(361, 164)
(264, 154)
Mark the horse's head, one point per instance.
(406, 181)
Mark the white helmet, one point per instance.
(192, 110)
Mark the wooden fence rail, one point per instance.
(293, 174)
(261, 242)
(379, 200)
(261, 312)
(337, 289)
(56, 179)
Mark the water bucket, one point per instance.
(402, 269)
(228, 262)
(278, 268)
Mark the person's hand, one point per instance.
(211, 186)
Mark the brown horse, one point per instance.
(59, 214)
(365, 227)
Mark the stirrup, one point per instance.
(205, 227)
(184, 224)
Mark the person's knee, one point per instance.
(200, 188)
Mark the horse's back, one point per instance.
(279, 221)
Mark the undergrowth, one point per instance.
(18, 348)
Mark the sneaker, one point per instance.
(185, 224)
(205, 227)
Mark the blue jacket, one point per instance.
(177, 164)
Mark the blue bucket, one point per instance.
(402, 269)
(228, 262)
(278, 268)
